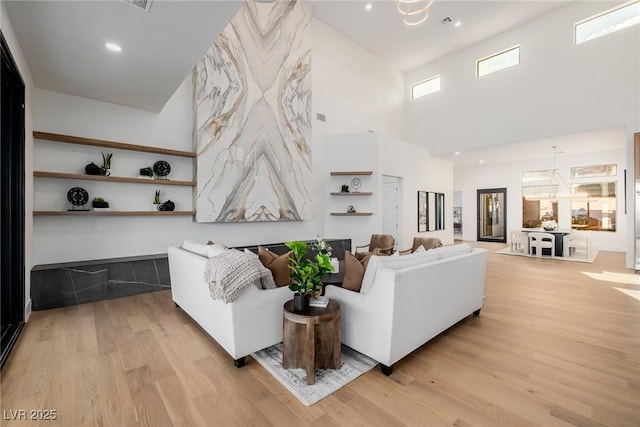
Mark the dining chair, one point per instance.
(540, 241)
(426, 242)
(577, 242)
(383, 242)
(519, 241)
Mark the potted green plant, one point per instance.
(106, 163)
(305, 274)
(99, 203)
(156, 200)
(148, 171)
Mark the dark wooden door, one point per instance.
(12, 166)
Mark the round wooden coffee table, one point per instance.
(311, 340)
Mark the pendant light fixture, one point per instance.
(415, 11)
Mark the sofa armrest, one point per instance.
(366, 319)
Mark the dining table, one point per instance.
(558, 233)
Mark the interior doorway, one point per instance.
(391, 203)
(12, 199)
(492, 215)
(457, 215)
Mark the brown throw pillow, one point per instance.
(353, 272)
(278, 264)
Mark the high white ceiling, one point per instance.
(63, 42)
(382, 31)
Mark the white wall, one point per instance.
(355, 89)
(558, 88)
(385, 157)
(469, 180)
(25, 72)
(419, 172)
(353, 152)
(72, 238)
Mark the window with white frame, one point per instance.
(425, 87)
(607, 22)
(498, 61)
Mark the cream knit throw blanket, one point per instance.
(231, 271)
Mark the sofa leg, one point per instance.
(387, 370)
(477, 312)
(239, 362)
(176, 304)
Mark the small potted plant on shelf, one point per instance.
(106, 163)
(156, 200)
(305, 274)
(148, 172)
(100, 204)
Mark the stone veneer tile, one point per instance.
(145, 272)
(50, 289)
(117, 289)
(162, 266)
(122, 272)
(88, 277)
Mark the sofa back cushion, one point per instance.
(451, 250)
(394, 263)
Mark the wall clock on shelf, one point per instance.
(78, 197)
(161, 169)
(356, 183)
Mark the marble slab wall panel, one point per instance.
(252, 117)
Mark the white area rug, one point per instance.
(507, 251)
(354, 364)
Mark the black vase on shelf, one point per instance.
(166, 206)
(93, 169)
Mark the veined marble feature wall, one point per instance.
(252, 96)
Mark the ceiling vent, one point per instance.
(140, 4)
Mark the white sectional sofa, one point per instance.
(407, 300)
(248, 324)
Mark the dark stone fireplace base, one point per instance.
(71, 283)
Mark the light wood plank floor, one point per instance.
(556, 344)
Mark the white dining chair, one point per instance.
(519, 241)
(540, 241)
(577, 243)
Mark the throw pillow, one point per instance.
(196, 247)
(353, 272)
(419, 249)
(278, 264)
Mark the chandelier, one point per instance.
(578, 196)
(414, 11)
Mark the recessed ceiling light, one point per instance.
(369, 6)
(113, 47)
(457, 153)
(457, 24)
(480, 162)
